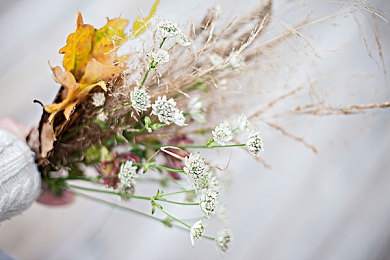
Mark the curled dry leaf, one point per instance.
(90, 61)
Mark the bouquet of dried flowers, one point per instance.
(149, 114)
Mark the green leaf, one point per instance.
(75, 171)
(167, 222)
(92, 154)
(210, 142)
(157, 126)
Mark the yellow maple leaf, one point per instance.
(141, 24)
(88, 43)
(78, 48)
(108, 39)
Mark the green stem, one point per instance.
(118, 108)
(118, 206)
(178, 203)
(133, 196)
(199, 146)
(146, 75)
(177, 192)
(136, 212)
(172, 47)
(109, 192)
(174, 218)
(161, 167)
(205, 146)
(162, 42)
(144, 128)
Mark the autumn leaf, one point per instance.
(75, 93)
(87, 43)
(97, 71)
(90, 58)
(108, 39)
(141, 24)
(78, 48)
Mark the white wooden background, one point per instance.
(330, 205)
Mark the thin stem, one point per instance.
(146, 75)
(178, 203)
(136, 212)
(199, 146)
(177, 192)
(162, 42)
(209, 147)
(144, 128)
(133, 196)
(118, 108)
(172, 47)
(159, 167)
(109, 192)
(118, 206)
(174, 218)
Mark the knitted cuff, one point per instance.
(20, 182)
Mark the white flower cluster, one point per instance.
(226, 131)
(160, 56)
(203, 180)
(208, 202)
(255, 144)
(140, 99)
(166, 112)
(127, 176)
(167, 29)
(196, 231)
(197, 171)
(223, 240)
(222, 133)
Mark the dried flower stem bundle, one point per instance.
(130, 116)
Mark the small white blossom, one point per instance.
(160, 56)
(196, 231)
(222, 133)
(242, 124)
(164, 109)
(167, 29)
(140, 99)
(178, 118)
(197, 171)
(182, 39)
(196, 111)
(127, 174)
(216, 60)
(208, 202)
(223, 240)
(255, 144)
(125, 189)
(102, 117)
(98, 99)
